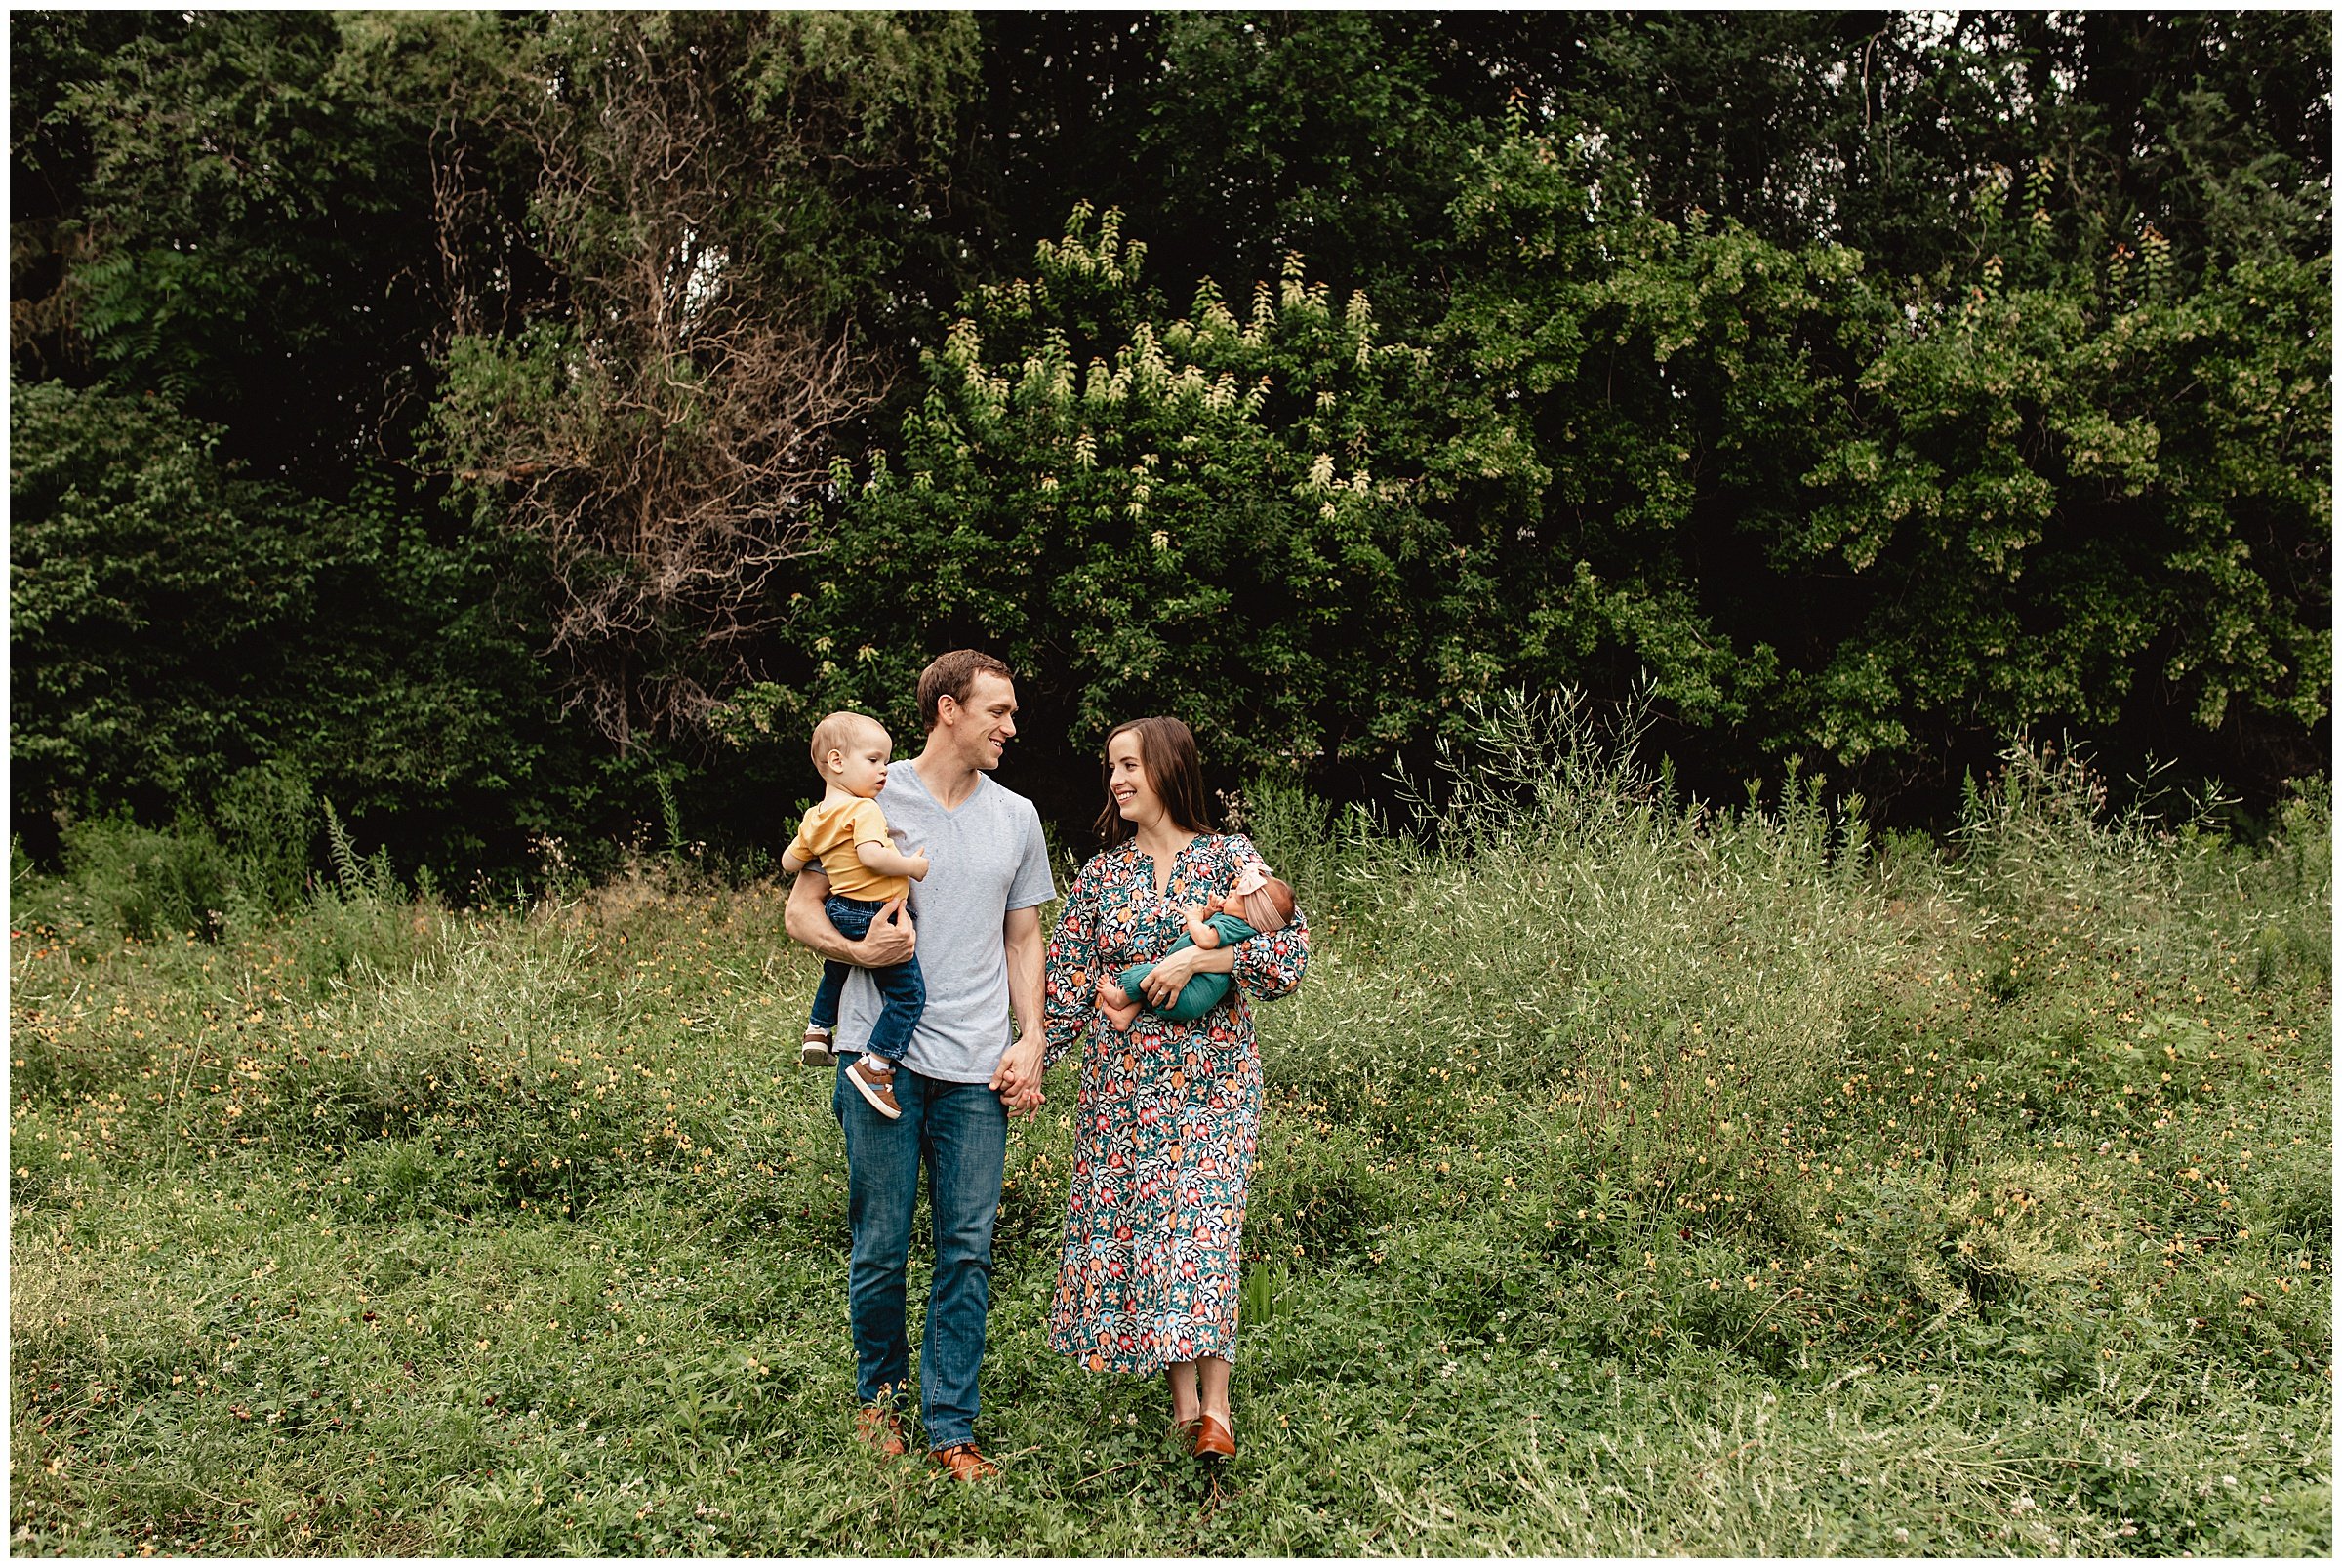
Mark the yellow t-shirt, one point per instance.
(829, 834)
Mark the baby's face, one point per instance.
(861, 768)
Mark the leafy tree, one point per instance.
(1210, 515)
(152, 590)
(1632, 402)
(176, 624)
(1875, 130)
(1233, 137)
(51, 151)
(1890, 524)
(1880, 382)
(250, 234)
(2070, 509)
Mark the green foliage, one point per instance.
(147, 883)
(248, 236)
(121, 881)
(180, 625)
(1826, 514)
(1885, 521)
(153, 594)
(2060, 500)
(1330, 132)
(1640, 401)
(1881, 385)
(266, 826)
(1144, 515)
(1335, 133)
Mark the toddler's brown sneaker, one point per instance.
(874, 1080)
(814, 1050)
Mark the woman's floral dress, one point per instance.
(1166, 1121)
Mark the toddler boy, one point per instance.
(847, 835)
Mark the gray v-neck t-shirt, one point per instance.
(985, 859)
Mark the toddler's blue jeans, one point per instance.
(902, 990)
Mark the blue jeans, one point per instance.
(902, 988)
(959, 1131)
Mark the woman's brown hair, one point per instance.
(1174, 770)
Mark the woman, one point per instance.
(1168, 1115)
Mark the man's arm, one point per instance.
(1018, 1079)
(889, 942)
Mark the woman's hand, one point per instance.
(1167, 979)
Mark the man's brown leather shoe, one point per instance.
(882, 1429)
(964, 1463)
(1213, 1440)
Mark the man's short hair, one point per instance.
(950, 675)
(838, 733)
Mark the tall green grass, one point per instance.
(1637, 1176)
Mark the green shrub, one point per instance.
(144, 882)
(267, 822)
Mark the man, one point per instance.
(974, 924)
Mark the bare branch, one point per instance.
(667, 451)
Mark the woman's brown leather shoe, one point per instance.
(1213, 1440)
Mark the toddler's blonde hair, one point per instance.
(839, 731)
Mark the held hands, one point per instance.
(1017, 1080)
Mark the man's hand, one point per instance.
(1017, 1080)
(888, 942)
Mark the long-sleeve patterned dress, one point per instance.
(1166, 1121)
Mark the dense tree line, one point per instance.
(501, 424)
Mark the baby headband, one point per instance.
(1253, 877)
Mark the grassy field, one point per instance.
(1635, 1179)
